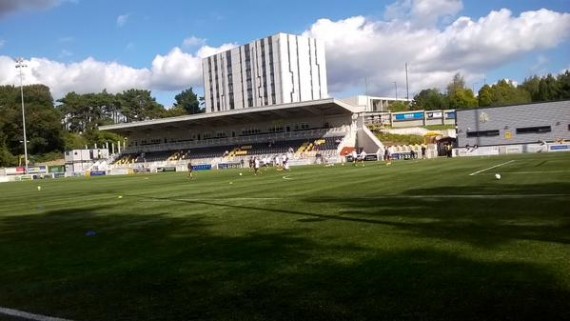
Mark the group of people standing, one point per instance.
(280, 162)
(358, 158)
(388, 151)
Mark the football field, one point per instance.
(440, 239)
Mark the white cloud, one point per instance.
(194, 42)
(174, 71)
(423, 13)
(206, 51)
(122, 20)
(86, 76)
(375, 51)
(178, 70)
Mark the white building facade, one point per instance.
(373, 103)
(275, 70)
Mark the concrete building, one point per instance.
(275, 70)
(522, 124)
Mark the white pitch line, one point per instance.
(28, 316)
(486, 169)
(498, 196)
(287, 178)
(213, 199)
(379, 197)
(231, 199)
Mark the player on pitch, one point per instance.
(190, 170)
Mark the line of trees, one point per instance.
(503, 93)
(72, 122)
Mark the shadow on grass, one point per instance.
(157, 267)
(482, 216)
(478, 216)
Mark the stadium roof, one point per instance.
(323, 107)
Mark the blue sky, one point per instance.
(86, 46)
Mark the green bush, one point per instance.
(395, 139)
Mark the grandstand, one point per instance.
(302, 131)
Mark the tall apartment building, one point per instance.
(279, 69)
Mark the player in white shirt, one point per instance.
(255, 165)
(362, 157)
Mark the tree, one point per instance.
(531, 86)
(456, 84)
(458, 95)
(6, 156)
(110, 113)
(43, 123)
(188, 101)
(506, 93)
(564, 85)
(83, 114)
(75, 111)
(462, 99)
(548, 88)
(89, 111)
(399, 106)
(74, 141)
(99, 138)
(174, 112)
(137, 105)
(430, 99)
(485, 96)
(503, 93)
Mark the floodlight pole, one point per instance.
(396, 87)
(407, 90)
(473, 87)
(20, 65)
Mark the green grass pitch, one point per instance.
(417, 240)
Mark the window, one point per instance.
(534, 130)
(484, 133)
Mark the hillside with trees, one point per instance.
(503, 93)
(73, 121)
